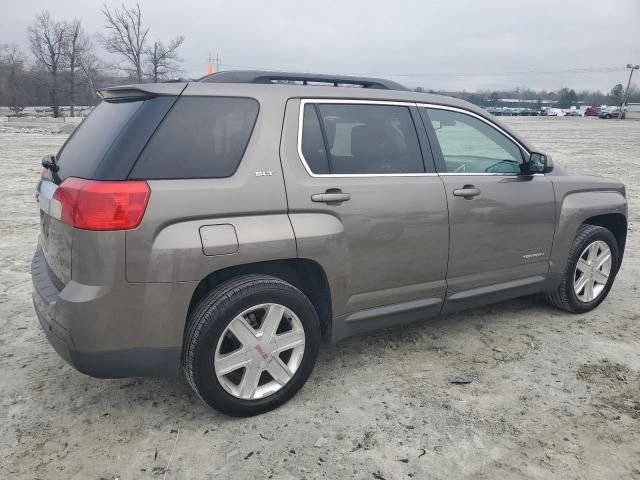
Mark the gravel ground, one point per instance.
(552, 395)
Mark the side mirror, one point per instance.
(539, 163)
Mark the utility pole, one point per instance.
(626, 92)
(210, 64)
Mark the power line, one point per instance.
(573, 71)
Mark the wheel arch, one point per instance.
(306, 275)
(616, 223)
(606, 208)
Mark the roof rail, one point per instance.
(256, 76)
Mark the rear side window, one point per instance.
(85, 149)
(201, 137)
(365, 139)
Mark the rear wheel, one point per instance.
(590, 271)
(251, 344)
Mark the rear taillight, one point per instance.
(100, 205)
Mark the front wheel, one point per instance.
(590, 271)
(250, 345)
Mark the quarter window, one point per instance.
(201, 137)
(470, 145)
(360, 139)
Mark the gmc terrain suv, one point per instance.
(224, 228)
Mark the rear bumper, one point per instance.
(49, 303)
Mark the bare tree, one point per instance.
(89, 65)
(162, 60)
(126, 36)
(46, 41)
(12, 65)
(77, 45)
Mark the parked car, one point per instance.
(572, 113)
(221, 229)
(592, 112)
(611, 114)
(528, 112)
(554, 112)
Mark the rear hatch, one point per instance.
(104, 147)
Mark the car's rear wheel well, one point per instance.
(616, 223)
(306, 275)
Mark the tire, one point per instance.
(208, 328)
(565, 297)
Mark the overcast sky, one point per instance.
(439, 44)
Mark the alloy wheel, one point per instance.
(259, 351)
(592, 271)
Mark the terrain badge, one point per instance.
(533, 255)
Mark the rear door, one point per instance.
(502, 221)
(364, 203)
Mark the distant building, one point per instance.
(517, 102)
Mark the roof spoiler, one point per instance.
(129, 93)
(123, 94)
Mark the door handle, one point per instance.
(331, 196)
(468, 192)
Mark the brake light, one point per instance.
(101, 205)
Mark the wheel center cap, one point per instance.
(262, 351)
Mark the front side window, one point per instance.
(469, 145)
(360, 139)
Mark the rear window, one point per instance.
(85, 149)
(107, 143)
(201, 137)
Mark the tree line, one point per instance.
(562, 98)
(63, 67)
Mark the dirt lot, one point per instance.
(552, 395)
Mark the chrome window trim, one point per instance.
(479, 117)
(305, 101)
(481, 174)
(492, 125)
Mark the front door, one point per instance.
(502, 221)
(363, 204)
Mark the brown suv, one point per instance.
(222, 228)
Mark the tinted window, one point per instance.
(470, 145)
(312, 143)
(85, 149)
(201, 137)
(370, 139)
